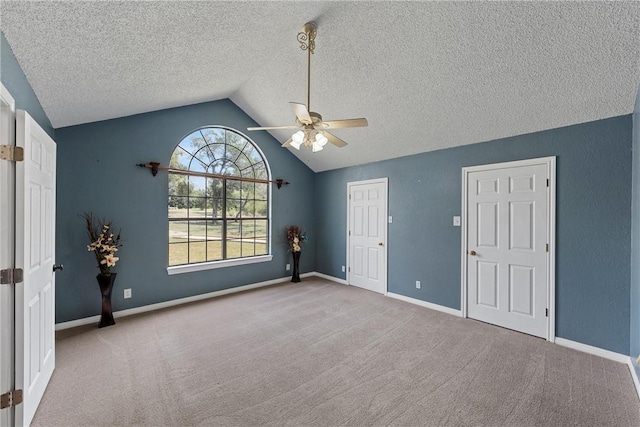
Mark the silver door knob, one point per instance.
(380, 244)
(57, 267)
(472, 253)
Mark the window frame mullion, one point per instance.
(224, 218)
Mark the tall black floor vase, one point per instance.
(106, 286)
(295, 277)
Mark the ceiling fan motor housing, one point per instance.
(316, 120)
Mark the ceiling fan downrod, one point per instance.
(311, 129)
(307, 40)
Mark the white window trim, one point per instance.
(201, 266)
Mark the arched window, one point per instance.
(219, 201)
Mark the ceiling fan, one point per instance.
(312, 130)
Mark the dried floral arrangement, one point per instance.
(295, 237)
(104, 244)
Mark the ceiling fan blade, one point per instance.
(301, 112)
(273, 127)
(347, 123)
(334, 140)
(287, 143)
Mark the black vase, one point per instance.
(295, 277)
(106, 286)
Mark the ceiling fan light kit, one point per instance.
(311, 128)
(310, 138)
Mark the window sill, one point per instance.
(189, 268)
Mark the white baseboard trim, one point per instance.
(596, 351)
(426, 304)
(80, 322)
(332, 278)
(165, 304)
(161, 305)
(634, 375)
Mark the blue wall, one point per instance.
(593, 223)
(635, 237)
(97, 172)
(14, 80)
(598, 283)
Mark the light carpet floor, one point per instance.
(319, 353)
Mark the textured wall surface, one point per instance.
(593, 223)
(16, 83)
(97, 172)
(635, 237)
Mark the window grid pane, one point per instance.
(213, 219)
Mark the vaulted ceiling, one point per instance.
(427, 75)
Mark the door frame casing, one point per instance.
(385, 181)
(7, 260)
(550, 162)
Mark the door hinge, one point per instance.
(349, 232)
(547, 247)
(10, 399)
(547, 182)
(11, 153)
(349, 269)
(546, 312)
(349, 196)
(10, 276)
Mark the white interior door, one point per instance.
(7, 258)
(507, 244)
(35, 254)
(367, 235)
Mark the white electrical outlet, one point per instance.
(418, 285)
(127, 293)
(456, 221)
(287, 267)
(343, 269)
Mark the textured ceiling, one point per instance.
(427, 75)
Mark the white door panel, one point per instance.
(35, 254)
(507, 229)
(367, 235)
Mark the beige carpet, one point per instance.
(319, 353)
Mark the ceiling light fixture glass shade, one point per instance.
(319, 143)
(297, 139)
